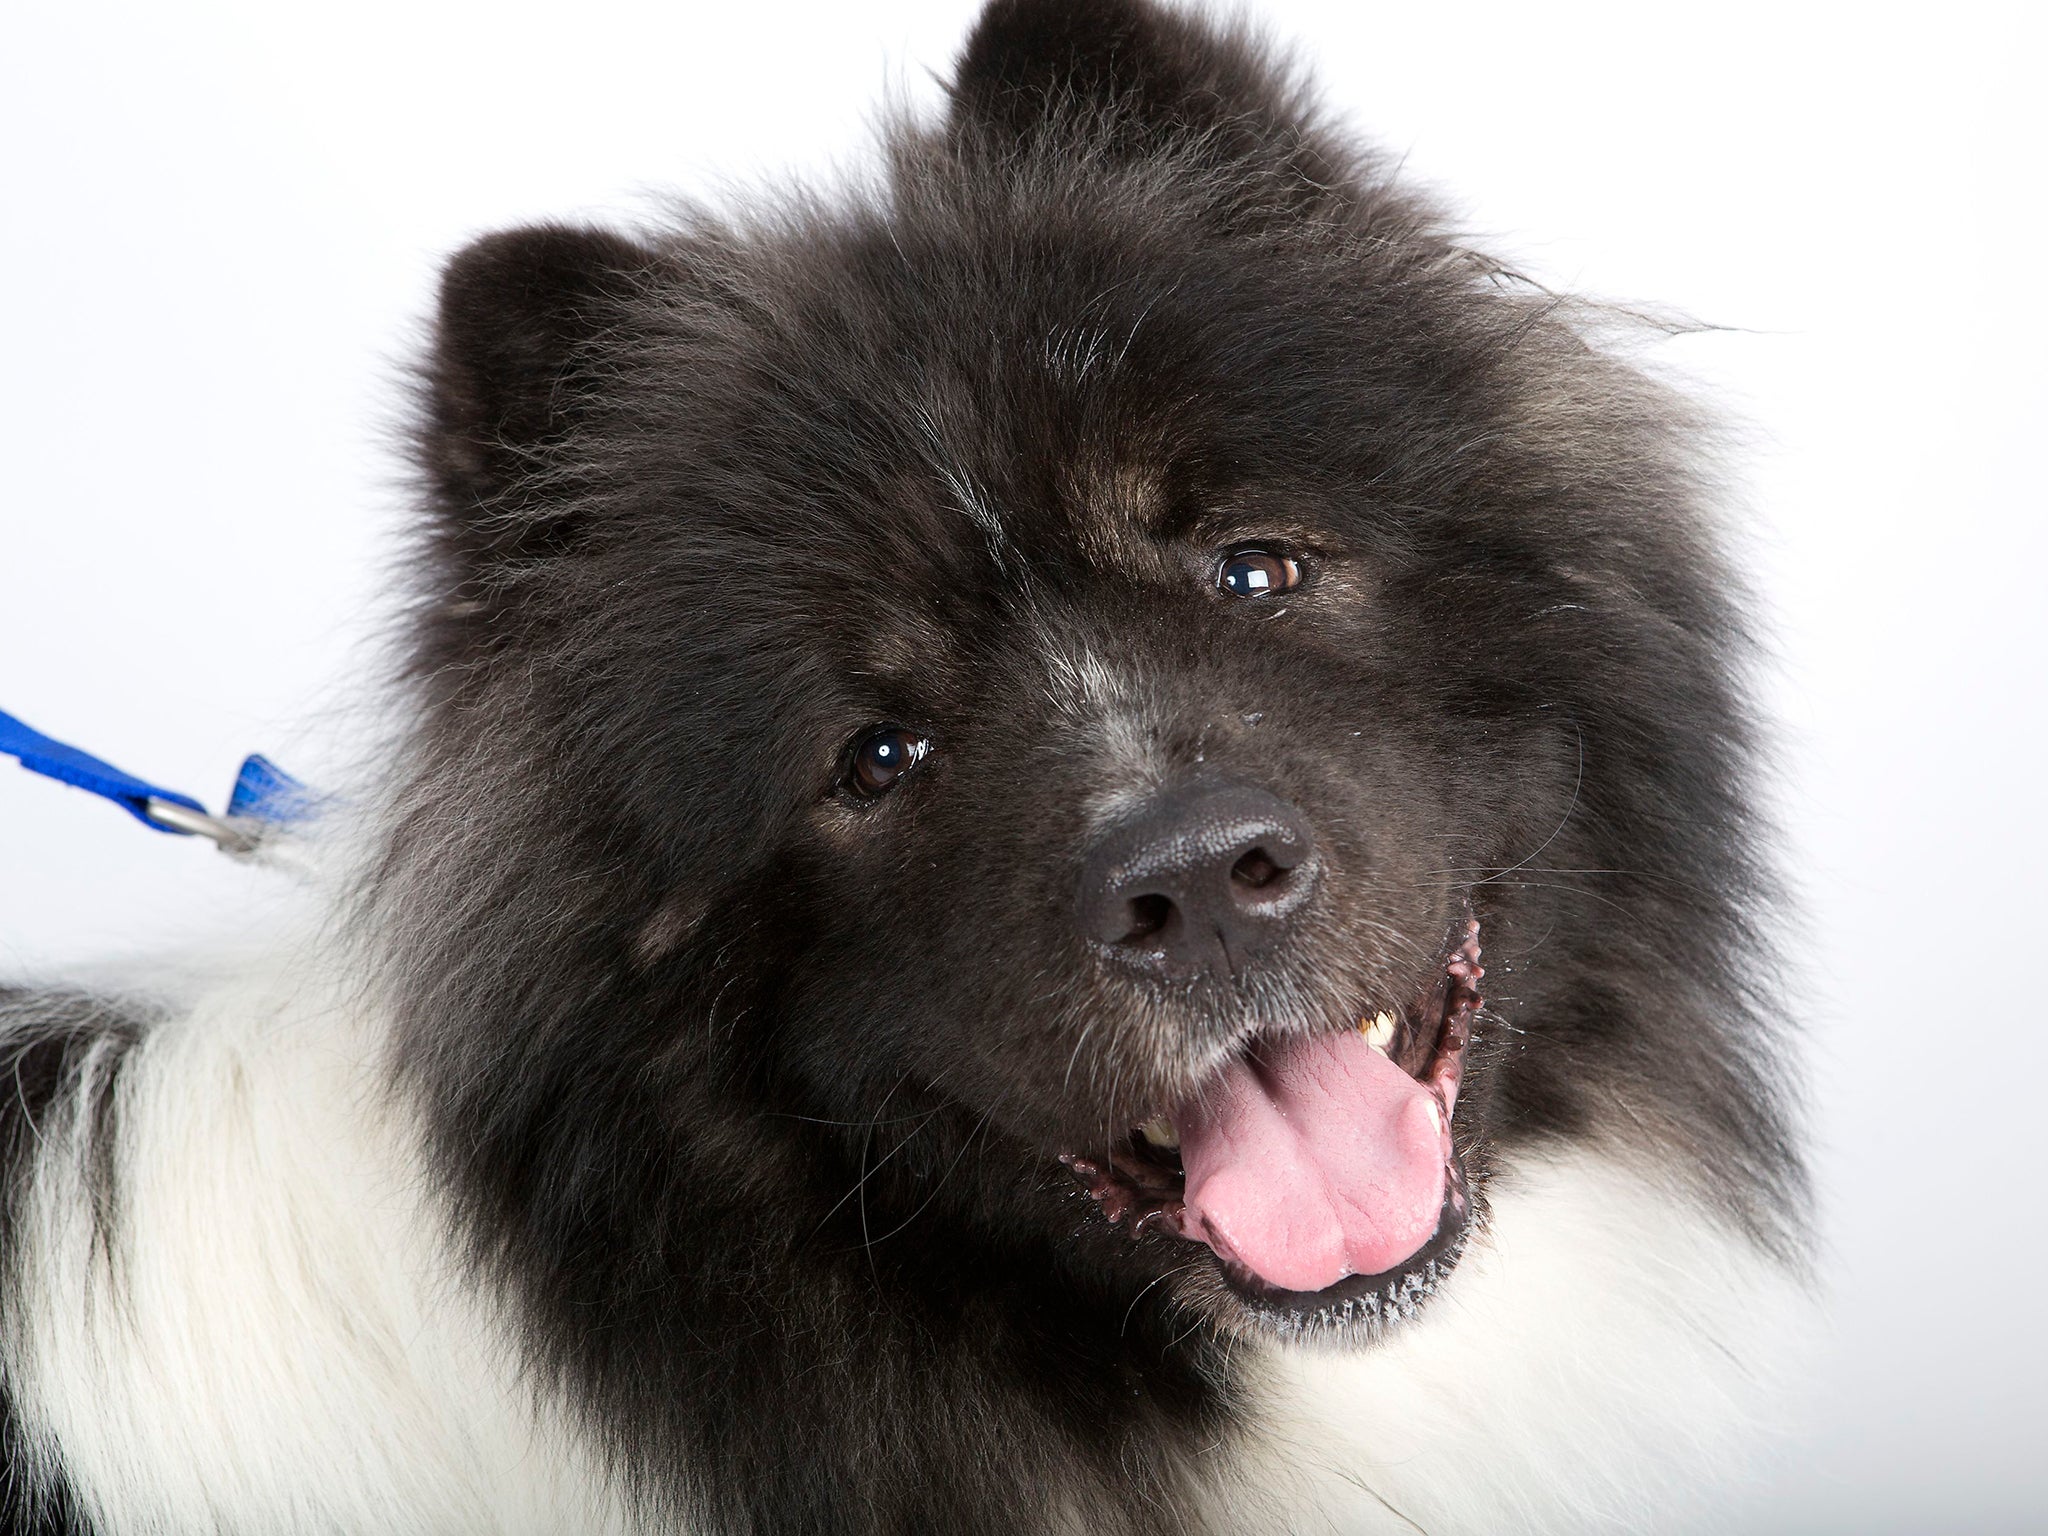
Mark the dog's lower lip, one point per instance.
(1363, 1298)
(1145, 1181)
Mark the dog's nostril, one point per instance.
(1256, 870)
(1149, 915)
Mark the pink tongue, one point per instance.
(1319, 1160)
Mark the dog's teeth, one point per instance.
(1436, 1116)
(1378, 1031)
(1160, 1132)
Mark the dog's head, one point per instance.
(986, 724)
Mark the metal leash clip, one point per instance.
(239, 836)
(265, 802)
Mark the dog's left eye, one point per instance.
(879, 757)
(1257, 573)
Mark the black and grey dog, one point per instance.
(1074, 855)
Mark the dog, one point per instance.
(1074, 852)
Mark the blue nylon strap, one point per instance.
(66, 764)
(265, 792)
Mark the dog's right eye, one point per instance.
(879, 757)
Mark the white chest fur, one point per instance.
(1603, 1359)
(272, 1340)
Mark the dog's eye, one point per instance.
(880, 757)
(1257, 573)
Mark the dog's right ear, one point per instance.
(515, 368)
(511, 367)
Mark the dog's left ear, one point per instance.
(1132, 78)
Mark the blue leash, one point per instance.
(264, 798)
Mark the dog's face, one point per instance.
(1029, 697)
(1128, 745)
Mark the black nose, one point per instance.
(1200, 880)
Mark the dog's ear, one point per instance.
(525, 319)
(1135, 79)
(512, 364)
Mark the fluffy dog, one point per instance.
(1073, 854)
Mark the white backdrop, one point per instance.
(222, 226)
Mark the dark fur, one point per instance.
(749, 1095)
(61, 1054)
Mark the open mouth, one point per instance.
(1320, 1171)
